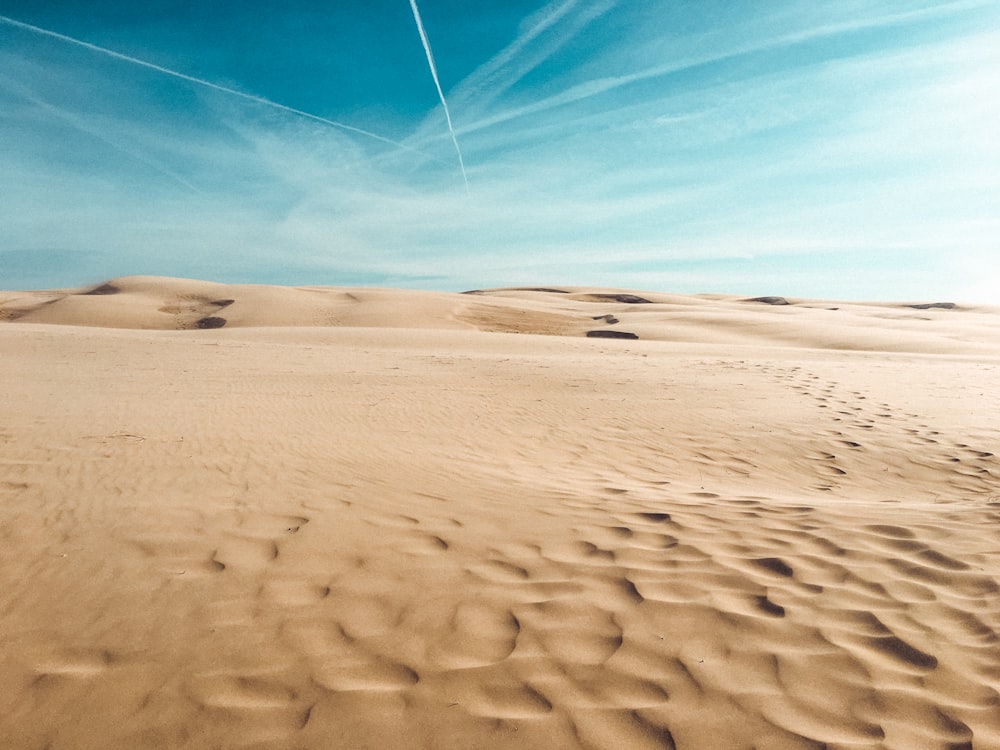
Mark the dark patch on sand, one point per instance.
(770, 300)
(609, 319)
(518, 289)
(935, 305)
(103, 289)
(628, 299)
(210, 323)
(766, 605)
(655, 517)
(902, 651)
(611, 335)
(775, 565)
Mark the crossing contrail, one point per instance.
(202, 82)
(96, 133)
(437, 84)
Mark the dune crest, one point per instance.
(158, 303)
(360, 517)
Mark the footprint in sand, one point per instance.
(339, 662)
(243, 553)
(422, 543)
(236, 691)
(477, 635)
(76, 663)
(294, 592)
(363, 672)
(572, 631)
(269, 525)
(499, 571)
(513, 701)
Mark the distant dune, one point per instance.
(156, 303)
(248, 516)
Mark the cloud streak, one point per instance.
(199, 81)
(94, 132)
(799, 149)
(596, 87)
(437, 85)
(541, 38)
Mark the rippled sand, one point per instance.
(344, 518)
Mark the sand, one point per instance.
(348, 518)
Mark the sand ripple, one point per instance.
(348, 536)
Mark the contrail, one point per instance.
(96, 133)
(437, 84)
(201, 82)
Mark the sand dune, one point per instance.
(355, 518)
(144, 302)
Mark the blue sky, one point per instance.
(843, 149)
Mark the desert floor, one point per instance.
(348, 518)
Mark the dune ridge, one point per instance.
(157, 303)
(353, 517)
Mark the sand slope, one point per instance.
(371, 518)
(148, 302)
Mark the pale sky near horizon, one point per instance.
(845, 149)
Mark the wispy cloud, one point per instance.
(772, 148)
(192, 79)
(542, 36)
(739, 42)
(96, 132)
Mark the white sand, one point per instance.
(374, 518)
